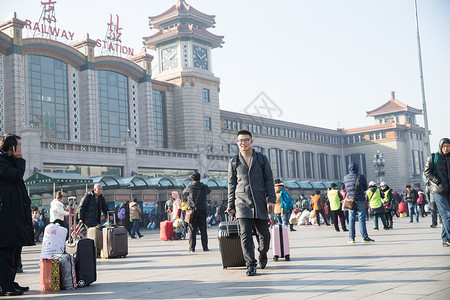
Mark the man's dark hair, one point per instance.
(277, 181)
(408, 186)
(333, 185)
(244, 132)
(8, 141)
(195, 176)
(134, 199)
(317, 192)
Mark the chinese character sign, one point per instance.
(49, 11)
(114, 29)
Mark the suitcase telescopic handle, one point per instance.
(114, 214)
(226, 222)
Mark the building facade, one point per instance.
(96, 115)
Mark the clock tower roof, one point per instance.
(182, 22)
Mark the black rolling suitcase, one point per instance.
(230, 244)
(83, 251)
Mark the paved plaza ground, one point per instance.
(408, 262)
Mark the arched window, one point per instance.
(48, 99)
(113, 107)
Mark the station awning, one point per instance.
(45, 178)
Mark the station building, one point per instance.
(106, 115)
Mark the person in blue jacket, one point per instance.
(359, 192)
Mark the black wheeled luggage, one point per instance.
(83, 251)
(230, 244)
(115, 241)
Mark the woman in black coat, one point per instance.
(16, 229)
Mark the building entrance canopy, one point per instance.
(41, 182)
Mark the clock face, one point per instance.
(200, 57)
(169, 58)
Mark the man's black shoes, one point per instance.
(262, 260)
(11, 292)
(21, 288)
(251, 271)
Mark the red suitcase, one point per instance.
(280, 242)
(50, 276)
(166, 230)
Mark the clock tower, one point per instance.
(183, 45)
(183, 41)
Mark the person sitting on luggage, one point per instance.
(135, 215)
(92, 205)
(58, 211)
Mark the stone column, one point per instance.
(31, 149)
(14, 105)
(131, 164)
(89, 114)
(145, 99)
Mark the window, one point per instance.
(275, 162)
(48, 97)
(289, 133)
(232, 125)
(358, 158)
(292, 163)
(207, 121)
(270, 130)
(233, 149)
(323, 165)
(258, 149)
(206, 95)
(159, 119)
(337, 167)
(308, 163)
(254, 128)
(417, 163)
(113, 106)
(85, 170)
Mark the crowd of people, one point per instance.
(255, 199)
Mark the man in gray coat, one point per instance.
(250, 191)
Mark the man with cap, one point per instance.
(335, 198)
(388, 202)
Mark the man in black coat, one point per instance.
(196, 193)
(91, 206)
(16, 229)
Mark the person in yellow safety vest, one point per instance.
(374, 196)
(335, 197)
(388, 203)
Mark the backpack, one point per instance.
(121, 213)
(426, 181)
(286, 201)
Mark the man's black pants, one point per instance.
(334, 215)
(247, 226)
(198, 222)
(9, 262)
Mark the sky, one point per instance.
(323, 63)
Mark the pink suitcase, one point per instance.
(280, 242)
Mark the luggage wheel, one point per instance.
(81, 283)
(287, 257)
(275, 257)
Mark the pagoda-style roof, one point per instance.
(182, 22)
(393, 106)
(184, 12)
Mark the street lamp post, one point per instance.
(378, 163)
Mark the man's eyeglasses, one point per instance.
(243, 141)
